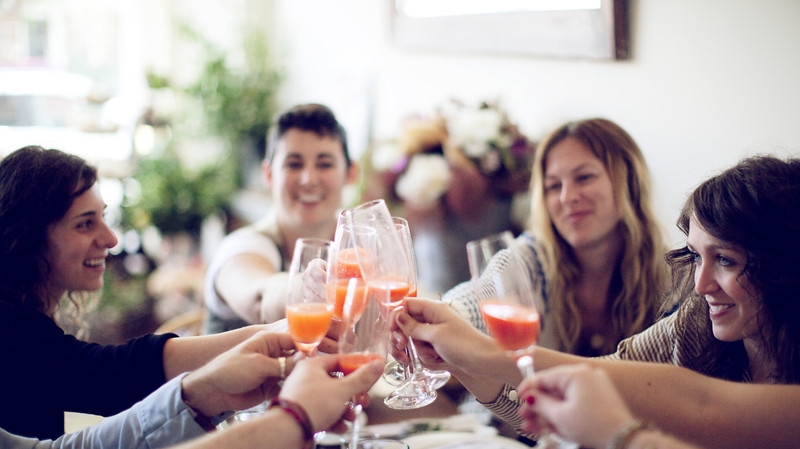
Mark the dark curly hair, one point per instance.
(37, 187)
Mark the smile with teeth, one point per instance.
(309, 197)
(95, 262)
(718, 308)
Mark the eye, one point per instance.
(695, 257)
(85, 224)
(294, 165)
(585, 177)
(552, 187)
(725, 262)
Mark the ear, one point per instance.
(266, 174)
(353, 172)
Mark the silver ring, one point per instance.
(282, 364)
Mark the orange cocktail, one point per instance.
(351, 362)
(337, 292)
(513, 326)
(308, 324)
(347, 263)
(389, 291)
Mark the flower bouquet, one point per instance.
(462, 155)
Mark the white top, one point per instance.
(262, 238)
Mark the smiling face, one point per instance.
(78, 245)
(579, 195)
(306, 176)
(733, 304)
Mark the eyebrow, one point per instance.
(718, 246)
(576, 169)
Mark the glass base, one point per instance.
(413, 394)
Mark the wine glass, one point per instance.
(388, 273)
(342, 266)
(308, 313)
(364, 339)
(504, 290)
(396, 373)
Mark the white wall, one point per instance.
(709, 81)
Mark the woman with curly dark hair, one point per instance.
(53, 245)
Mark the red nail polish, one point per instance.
(530, 400)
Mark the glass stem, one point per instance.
(525, 365)
(356, 426)
(416, 365)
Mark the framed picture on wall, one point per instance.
(586, 29)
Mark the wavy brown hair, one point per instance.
(640, 273)
(756, 205)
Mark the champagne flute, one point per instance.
(388, 273)
(308, 313)
(343, 266)
(364, 339)
(504, 290)
(396, 373)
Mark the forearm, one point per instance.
(160, 420)
(242, 282)
(708, 412)
(272, 298)
(188, 353)
(276, 427)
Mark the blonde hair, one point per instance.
(640, 272)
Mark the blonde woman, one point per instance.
(594, 248)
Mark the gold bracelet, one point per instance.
(625, 434)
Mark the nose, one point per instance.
(704, 282)
(107, 238)
(569, 192)
(307, 176)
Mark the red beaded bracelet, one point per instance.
(299, 414)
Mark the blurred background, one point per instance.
(172, 100)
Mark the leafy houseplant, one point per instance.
(238, 103)
(176, 199)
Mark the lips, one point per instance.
(716, 310)
(95, 263)
(577, 216)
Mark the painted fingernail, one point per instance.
(530, 400)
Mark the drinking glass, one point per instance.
(505, 294)
(388, 273)
(364, 339)
(342, 266)
(308, 313)
(396, 373)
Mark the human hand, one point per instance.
(241, 377)
(444, 339)
(578, 402)
(325, 398)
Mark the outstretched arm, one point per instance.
(322, 397)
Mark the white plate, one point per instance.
(461, 440)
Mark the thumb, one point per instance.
(364, 377)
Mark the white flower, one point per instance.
(473, 129)
(426, 179)
(386, 156)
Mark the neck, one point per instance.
(49, 301)
(762, 367)
(596, 266)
